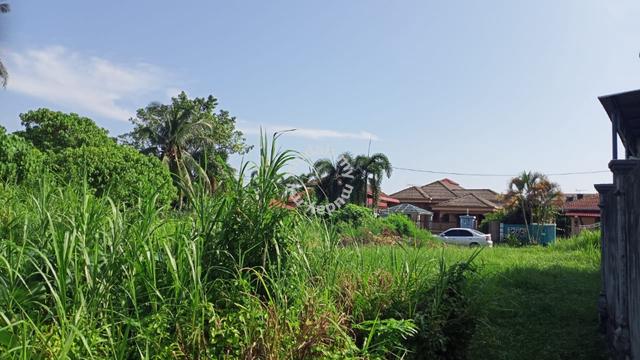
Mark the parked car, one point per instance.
(467, 237)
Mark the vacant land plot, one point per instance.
(534, 302)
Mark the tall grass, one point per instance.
(83, 277)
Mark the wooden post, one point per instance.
(614, 136)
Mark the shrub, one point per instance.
(587, 240)
(118, 171)
(352, 214)
(498, 215)
(401, 224)
(19, 160)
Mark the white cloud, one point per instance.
(99, 86)
(308, 133)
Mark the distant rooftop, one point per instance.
(407, 209)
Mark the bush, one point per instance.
(55, 131)
(401, 224)
(19, 160)
(352, 214)
(587, 240)
(118, 171)
(498, 215)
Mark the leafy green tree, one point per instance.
(118, 171)
(19, 161)
(188, 136)
(4, 75)
(54, 131)
(75, 149)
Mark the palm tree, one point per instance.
(533, 194)
(369, 173)
(330, 176)
(378, 165)
(170, 132)
(4, 75)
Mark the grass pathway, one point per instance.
(538, 303)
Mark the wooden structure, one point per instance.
(619, 303)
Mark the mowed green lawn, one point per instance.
(533, 302)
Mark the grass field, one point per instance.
(533, 302)
(234, 277)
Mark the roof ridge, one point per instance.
(476, 189)
(484, 201)
(422, 192)
(445, 186)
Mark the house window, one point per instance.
(444, 218)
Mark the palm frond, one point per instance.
(4, 75)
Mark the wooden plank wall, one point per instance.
(619, 302)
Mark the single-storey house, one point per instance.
(583, 211)
(447, 200)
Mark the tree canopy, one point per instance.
(75, 149)
(534, 196)
(187, 135)
(20, 161)
(54, 131)
(364, 173)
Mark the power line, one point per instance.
(496, 175)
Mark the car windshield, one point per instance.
(476, 232)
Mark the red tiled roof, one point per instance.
(386, 198)
(383, 200)
(442, 191)
(588, 202)
(450, 182)
(467, 201)
(411, 193)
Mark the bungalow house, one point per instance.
(583, 210)
(447, 200)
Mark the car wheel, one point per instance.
(474, 244)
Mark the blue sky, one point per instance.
(477, 87)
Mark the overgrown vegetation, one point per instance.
(97, 261)
(84, 276)
(358, 225)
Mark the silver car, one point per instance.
(466, 237)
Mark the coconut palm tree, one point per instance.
(370, 171)
(378, 166)
(169, 132)
(331, 176)
(4, 75)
